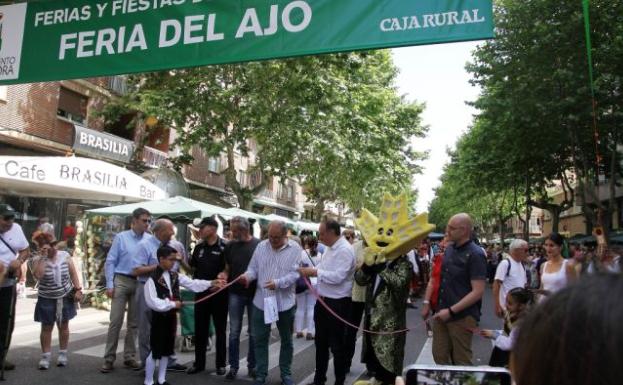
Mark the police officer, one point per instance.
(208, 261)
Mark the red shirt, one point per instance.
(69, 232)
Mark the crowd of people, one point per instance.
(310, 288)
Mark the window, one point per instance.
(214, 164)
(72, 106)
(255, 178)
(118, 84)
(3, 92)
(291, 193)
(242, 178)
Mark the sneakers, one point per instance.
(132, 364)
(231, 375)
(299, 334)
(309, 337)
(106, 368)
(287, 381)
(44, 362)
(61, 361)
(220, 371)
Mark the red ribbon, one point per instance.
(315, 293)
(207, 297)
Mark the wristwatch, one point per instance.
(426, 302)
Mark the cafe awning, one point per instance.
(73, 178)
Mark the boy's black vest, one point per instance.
(162, 290)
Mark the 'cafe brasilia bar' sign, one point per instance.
(69, 174)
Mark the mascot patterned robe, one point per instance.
(386, 309)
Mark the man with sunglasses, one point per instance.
(121, 287)
(14, 252)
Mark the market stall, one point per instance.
(101, 225)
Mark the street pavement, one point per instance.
(88, 338)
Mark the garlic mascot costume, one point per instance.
(386, 273)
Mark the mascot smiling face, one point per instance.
(393, 234)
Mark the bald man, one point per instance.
(463, 275)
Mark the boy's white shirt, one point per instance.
(164, 305)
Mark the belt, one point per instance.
(334, 299)
(126, 275)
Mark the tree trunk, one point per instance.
(318, 209)
(555, 212)
(526, 228)
(501, 231)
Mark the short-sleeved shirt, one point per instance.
(238, 255)
(17, 240)
(208, 260)
(121, 258)
(460, 266)
(512, 274)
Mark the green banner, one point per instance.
(60, 39)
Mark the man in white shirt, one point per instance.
(510, 273)
(14, 251)
(274, 266)
(335, 283)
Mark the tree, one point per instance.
(536, 95)
(334, 122)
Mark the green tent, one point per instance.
(178, 208)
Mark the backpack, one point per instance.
(526, 271)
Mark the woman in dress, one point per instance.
(59, 288)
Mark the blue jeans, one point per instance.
(237, 304)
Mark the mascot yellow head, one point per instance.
(393, 234)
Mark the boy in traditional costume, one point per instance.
(387, 274)
(162, 295)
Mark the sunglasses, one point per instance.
(8, 217)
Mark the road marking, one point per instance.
(357, 369)
(426, 354)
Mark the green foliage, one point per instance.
(334, 122)
(535, 126)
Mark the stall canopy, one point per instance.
(308, 226)
(73, 177)
(236, 212)
(176, 208)
(274, 217)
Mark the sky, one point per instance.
(435, 75)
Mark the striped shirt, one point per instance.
(281, 266)
(56, 282)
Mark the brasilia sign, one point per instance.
(60, 39)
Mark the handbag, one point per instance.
(301, 286)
